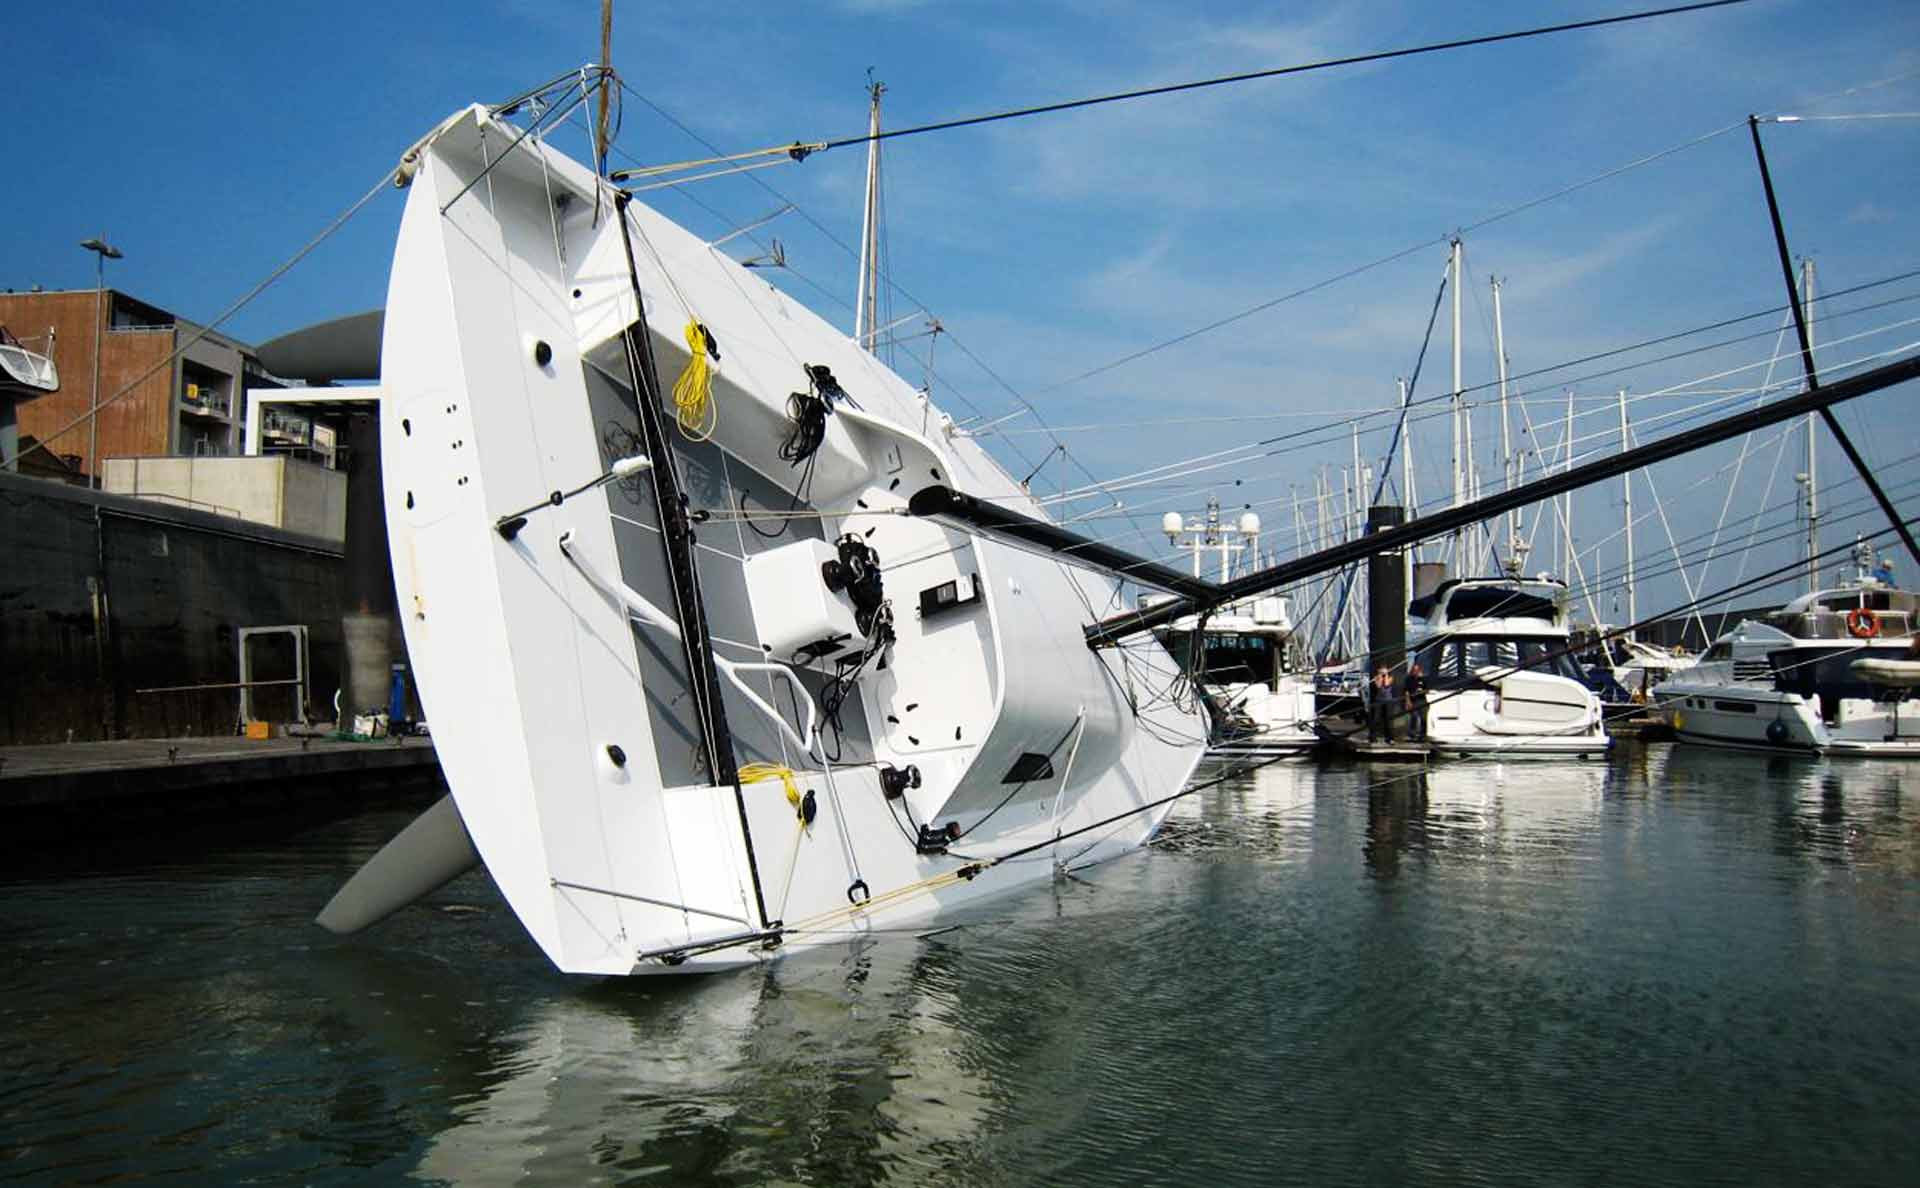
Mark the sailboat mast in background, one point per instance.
(867, 297)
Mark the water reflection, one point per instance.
(850, 1058)
(1834, 811)
(1673, 965)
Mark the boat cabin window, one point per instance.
(1496, 602)
(1228, 659)
(1719, 651)
(1455, 660)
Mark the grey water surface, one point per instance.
(1669, 967)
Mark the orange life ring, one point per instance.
(1862, 623)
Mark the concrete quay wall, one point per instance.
(103, 595)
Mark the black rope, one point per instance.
(808, 416)
(1325, 64)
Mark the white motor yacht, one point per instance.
(1258, 701)
(1830, 672)
(1500, 674)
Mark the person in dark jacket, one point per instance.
(1416, 695)
(1380, 705)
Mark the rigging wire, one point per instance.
(340, 220)
(1322, 434)
(1277, 72)
(1381, 262)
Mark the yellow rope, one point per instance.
(760, 773)
(693, 391)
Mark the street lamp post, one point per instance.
(103, 251)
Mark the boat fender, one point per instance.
(1776, 731)
(1862, 623)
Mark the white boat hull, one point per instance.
(1517, 714)
(565, 728)
(1743, 718)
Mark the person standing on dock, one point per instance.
(1416, 694)
(1380, 705)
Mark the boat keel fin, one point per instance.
(422, 858)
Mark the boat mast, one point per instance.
(1506, 434)
(1566, 501)
(1626, 489)
(1406, 468)
(1459, 484)
(1813, 481)
(867, 296)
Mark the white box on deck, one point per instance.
(792, 607)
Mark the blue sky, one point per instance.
(211, 140)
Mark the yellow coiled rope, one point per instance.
(760, 773)
(693, 391)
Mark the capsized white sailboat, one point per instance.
(705, 692)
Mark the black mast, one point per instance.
(676, 542)
(1806, 349)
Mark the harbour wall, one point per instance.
(103, 596)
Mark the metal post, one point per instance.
(103, 251)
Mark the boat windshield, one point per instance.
(1455, 659)
(1228, 658)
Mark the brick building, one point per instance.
(194, 405)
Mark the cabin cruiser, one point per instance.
(1500, 673)
(1831, 672)
(1244, 664)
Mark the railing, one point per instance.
(218, 509)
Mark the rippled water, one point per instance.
(1677, 966)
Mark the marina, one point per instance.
(1674, 965)
(1366, 638)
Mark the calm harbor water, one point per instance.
(1673, 966)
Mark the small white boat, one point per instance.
(1501, 678)
(1831, 672)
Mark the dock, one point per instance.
(75, 794)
